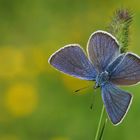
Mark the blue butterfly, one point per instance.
(106, 66)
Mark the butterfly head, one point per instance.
(101, 79)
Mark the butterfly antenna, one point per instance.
(80, 89)
(93, 99)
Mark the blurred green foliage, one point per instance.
(36, 101)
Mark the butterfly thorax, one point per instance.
(101, 79)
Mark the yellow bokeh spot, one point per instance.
(21, 99)
(35, 61)
(74, 83)
(11, 61)
(39, 58)
(23, 62)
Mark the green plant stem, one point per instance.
(102, 130)
(99, 124)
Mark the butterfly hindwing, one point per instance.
(116, 102)
(102, 48)
(128, 70)
(73, 61)
(111, 67)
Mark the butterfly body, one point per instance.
(101, 79)
(104, 65)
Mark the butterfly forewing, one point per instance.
(73, 61)
(128, 71)
(102, 49)
(116, 101)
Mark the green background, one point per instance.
(36, 101)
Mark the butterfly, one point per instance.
(106, 66)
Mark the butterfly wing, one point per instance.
(102, 48)
(111, 67)
(128, 70)
(116, 101)
(73, 61)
